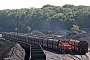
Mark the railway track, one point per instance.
(78, 57)
(71, 57)
(52, 56)
(84, 57)
(74, 57)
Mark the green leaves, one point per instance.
(75, 27)
(48, 17)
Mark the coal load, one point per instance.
(62, 33)
(79, 35)
(36, 32)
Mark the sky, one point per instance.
(17, 4)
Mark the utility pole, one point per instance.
(17, 28)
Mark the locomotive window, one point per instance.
(83, 45)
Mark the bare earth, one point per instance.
(11, 50)
(55, 56)
(5, 47)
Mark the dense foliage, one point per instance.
(48, 17)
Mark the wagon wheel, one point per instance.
(62, 51)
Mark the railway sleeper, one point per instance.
(37, 52)
(35, 48)
(38, 57)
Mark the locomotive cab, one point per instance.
(81, 47)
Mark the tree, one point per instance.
(48, 17)
(75, 27)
